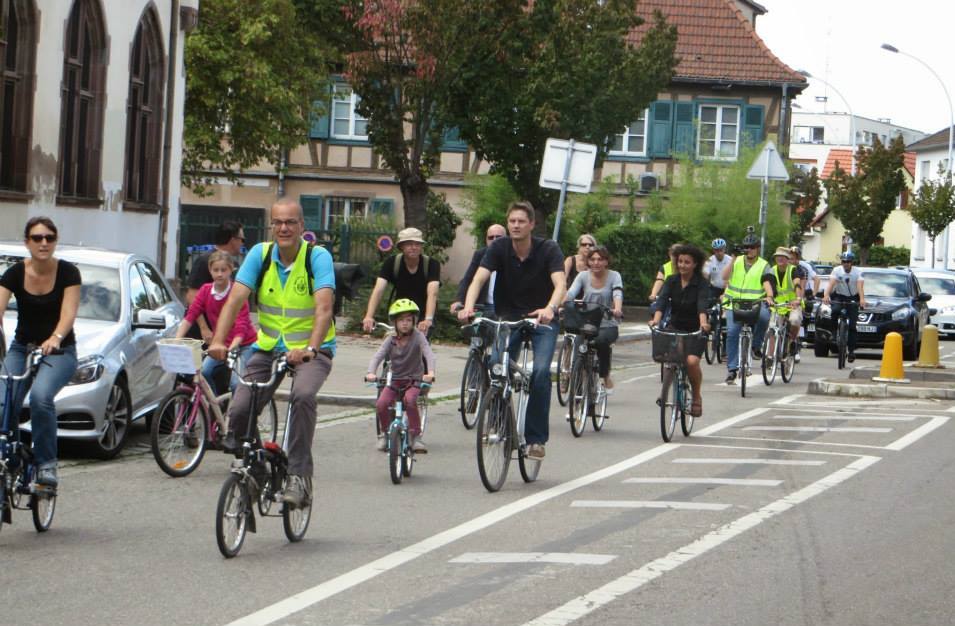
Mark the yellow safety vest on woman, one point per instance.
(287, 312)
(667, 269)
(746, 284)
(785, 289)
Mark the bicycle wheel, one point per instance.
(42, 506)
(842, 342)
(788, 364)
(565, 359)
(232, 515)
(769, 362)
(578, 397)
(177, 439)
(473, 383)
(669, 405)
(744, 357)
(395, 458)
(268, 422)
(709, 348)
(530, 468)
(600, 410)
(686, 419)
(720, 346)
(295, 521)
(382, 376)
(493, 439)
(4, 500)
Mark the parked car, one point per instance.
(941, 284)
(894, 303)
(126, 306)
(810, 332)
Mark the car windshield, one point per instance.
(938, 286)
(884, 285)
(99, 293)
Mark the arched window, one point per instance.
(144, 114)
(83, 96)
(18, 41)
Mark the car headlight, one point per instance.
(900, 313)
(88, 369)
(825, 311)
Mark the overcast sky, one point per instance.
(839, 40)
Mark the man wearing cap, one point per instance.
(746, 280)
(413, 275)
(788, 289)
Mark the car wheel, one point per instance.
(117, 421)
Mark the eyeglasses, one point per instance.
(585, 244)
(493, 237)
(39, 238)
(280, 223)
(242, 239)
(749, 247)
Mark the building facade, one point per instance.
(92, 120)
(931, 154)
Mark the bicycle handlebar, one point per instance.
(279, 366)
(34, 360)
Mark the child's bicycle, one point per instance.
(192, 418)
(259, 476)
(17, 469)
(398, 437)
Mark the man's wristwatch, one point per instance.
(312, 350)
(430, 318)
(58, 336)
(554, 308)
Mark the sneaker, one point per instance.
(796, 357)
(608, 383)
(851, 357)
(418, 446)
(46, 476)
(230, 445)
(296, 493)
(535, 451)
(382, 445)
(731, 377)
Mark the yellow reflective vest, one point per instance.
(746, 284)
(785, 289)
(668, 269)
(288, 312)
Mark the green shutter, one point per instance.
(321, 117)
(381, 207)
(452, 142)
(661, 126)
(313, 209)
(753, 115)
(684, 130)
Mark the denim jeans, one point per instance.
(605, 340)
(51, 376)
(732, 336)
(852, 308)
(210, 365)
(543, 340)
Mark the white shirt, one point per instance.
(844, 283)
(713, 270)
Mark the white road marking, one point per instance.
(563, 558)
(727, 461)
(739, 482)
(875, 417)
(649, 504)
(918, 433)
(731, 421)
(821, 429)
(787, 399)
(630, 380)
(585, 604)
(799, 442)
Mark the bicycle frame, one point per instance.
(502, 371)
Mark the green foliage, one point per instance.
(442, 224)
(864, 201)
(888, 256)
(486, 198)
(557, 68)
(249, 93)
(933, 207)
(806, 193)
(447, 328)
(638, 251)
(712, 198)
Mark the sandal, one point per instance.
(696, 409)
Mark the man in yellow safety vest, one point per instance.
(746, 279)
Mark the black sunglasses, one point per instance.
(493, 237)
(39, 238)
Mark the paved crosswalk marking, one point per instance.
(875, 417)
(564, 558)
(650, 504)
(738, 482)
(821, 429)
(725, 461)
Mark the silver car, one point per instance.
(126, 306)
(941, 284)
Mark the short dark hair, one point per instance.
(525, 206)
(602, 252)
(690, 250)
(39, 219)
(226, 231)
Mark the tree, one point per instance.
(249, 94)
(442, 224)
(933, 207)
(558, 68)
(864, 201)
(486, 198)
(806, 193)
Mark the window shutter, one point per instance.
(321, 124)
(382, 207)
(684, 135)
(753, 124)
(313, 209)
(452, 141)
(661, 125)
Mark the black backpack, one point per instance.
(426, 260)
(347, 276)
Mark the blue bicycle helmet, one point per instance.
(848, 256)
(718, 244)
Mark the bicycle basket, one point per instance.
(180, 356)
(672, 348)
(583, 318)
(746, 311)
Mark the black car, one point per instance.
(894, 303)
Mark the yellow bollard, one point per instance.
(891, 370)
(928, 353)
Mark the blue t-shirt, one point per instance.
(322, 270)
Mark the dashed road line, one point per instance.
(700, 480)
(562, 558)
(727, 461)
(650, 504)
(820, 429)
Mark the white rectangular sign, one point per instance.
(581, 173)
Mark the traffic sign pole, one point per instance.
(563, 189)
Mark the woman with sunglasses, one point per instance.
(577, 263)
(47, 292)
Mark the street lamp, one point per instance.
(951, 113)
(852, 118)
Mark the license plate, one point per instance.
(811, 327)
(865, 328)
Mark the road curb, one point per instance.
(824, 387)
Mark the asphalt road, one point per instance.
(780, 508)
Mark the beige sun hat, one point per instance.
(409, 234)
(782, 251)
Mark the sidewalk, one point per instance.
(922, 383)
